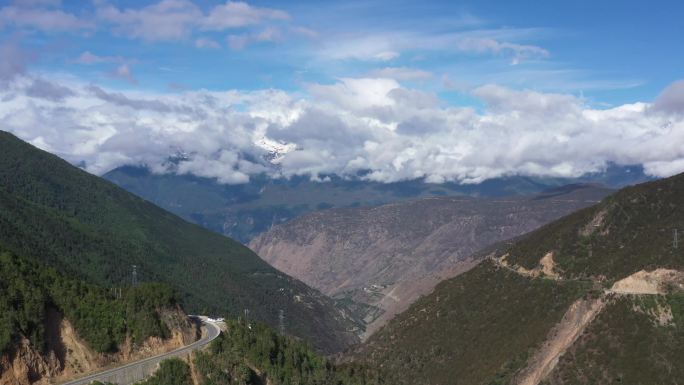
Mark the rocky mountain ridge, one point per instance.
(389, 255)
(595, 297)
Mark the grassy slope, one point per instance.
(87, 227)
(474, 329)
(636, 234)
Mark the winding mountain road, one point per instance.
(136, 371)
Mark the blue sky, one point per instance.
(444, 90)
(609, 51)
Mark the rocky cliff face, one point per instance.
(66, 355)
(389, 255)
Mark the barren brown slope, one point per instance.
(387, 256)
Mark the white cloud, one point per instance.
(239, 14)
(303, 31)
(238, 42)
(401, 73)
(671, 100)
(88, 58)
(13, 63)
(45, 19)
(354, 124)
(488, 45)
(44, 89)
(388, 45)
(123, 72)
(356, 94)
(374, 47)
(386, 55)
(179, 19)
(165, 20)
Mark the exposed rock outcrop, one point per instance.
(66, 355)
(659, 281)
(580, 314)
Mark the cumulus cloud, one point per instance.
(303, 31)
(239, 14)
(14, 61)
(386, 55)
(165, 20)
(44, 89)
(401, 73)
(353, 124)
(178, 19)
(123, 72)
(88, 58)
(502, 99)
(374, 48)
(238, 42)
(25, 15)
(671, 100)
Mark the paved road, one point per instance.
(212, 331)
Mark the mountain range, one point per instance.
(243, 211)
(594, 297)
(387, 256)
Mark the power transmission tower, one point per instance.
(675, 239)
(249, 324)
(281, 321)
(134, 280)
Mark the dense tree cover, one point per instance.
(628, 344)
(477, 328)
(28, 289)
(251, 354)
(629, 231)
(171, 372)
(89, 228)
(483, 326)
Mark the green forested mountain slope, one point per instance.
(473, 329)
(630, 230)
(28, 290)
(253, 354)
(53, 212)
(492, 324)
(628, 344)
